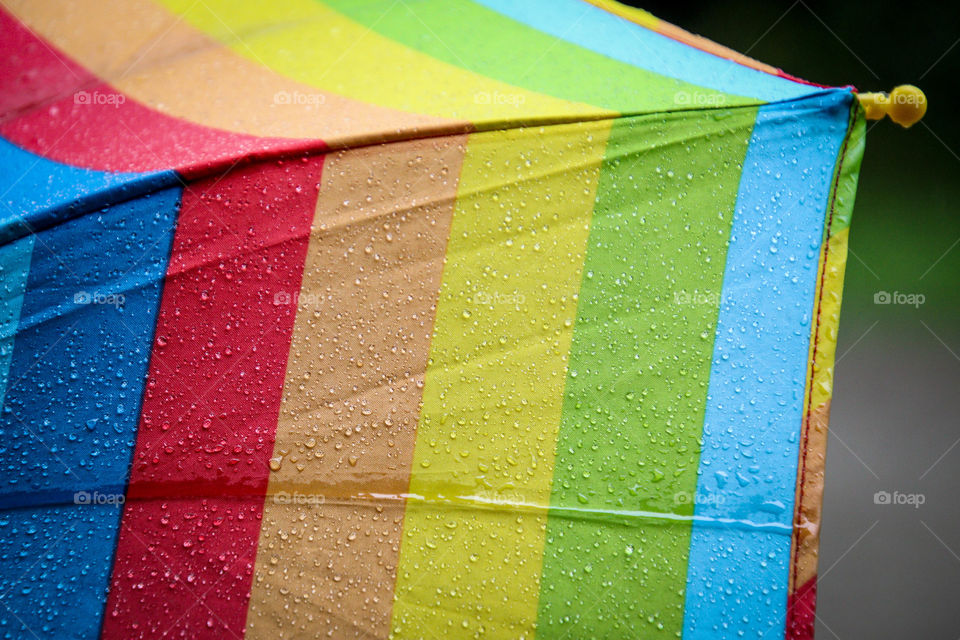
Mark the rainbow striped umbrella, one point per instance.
(416, 319)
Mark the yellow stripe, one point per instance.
(313, 44)
(821, 386)
(469, 561)
(633, 14)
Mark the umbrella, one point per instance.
(422, 319)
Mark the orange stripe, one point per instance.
(653, 23)
(810, 508)
(352, 394)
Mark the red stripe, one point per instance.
(191, 524)
(801, 611)
(792, 78)
(32, 74)
(53, 107)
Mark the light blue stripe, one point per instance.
(593, 28)
(14, 267)
(737, 578)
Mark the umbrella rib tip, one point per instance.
(905, 105)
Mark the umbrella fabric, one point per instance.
(425, 319)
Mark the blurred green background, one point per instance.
(905, 215)
(886, 571)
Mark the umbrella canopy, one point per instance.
(424, 319)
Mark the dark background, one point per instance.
(886, 571)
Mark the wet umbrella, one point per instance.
(432, 319)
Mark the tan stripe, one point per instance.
(352, 393)
(810, 511)
(165, 63)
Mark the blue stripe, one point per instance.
(37, 193)
(14, 266)
(55, 570)
(72, 407)
(737, 577)
(592, 28)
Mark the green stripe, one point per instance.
(639, 366)
(533, 60)
(849, 168)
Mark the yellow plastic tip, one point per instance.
(905, 105)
